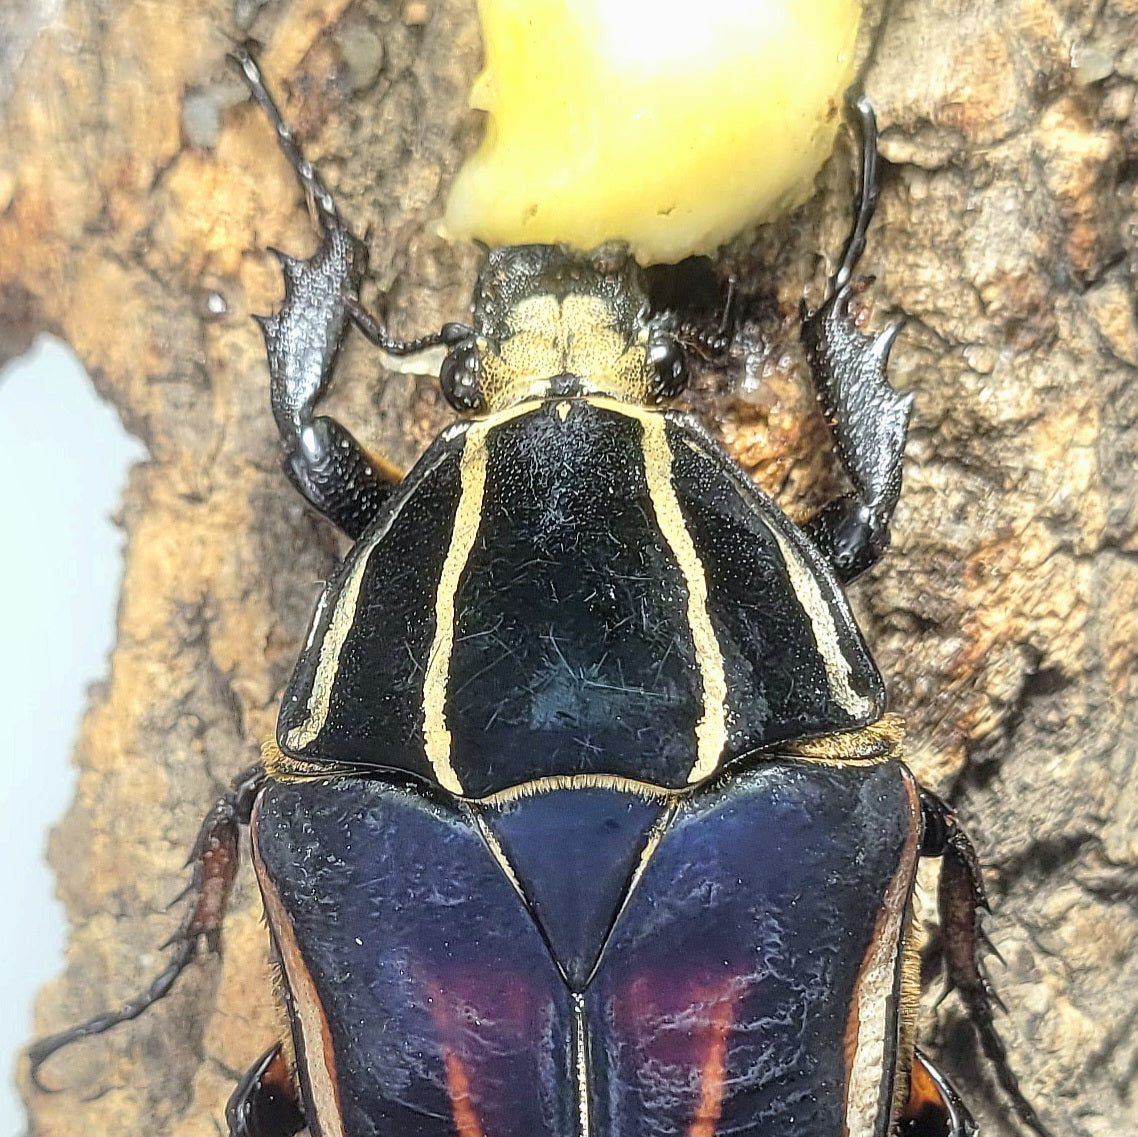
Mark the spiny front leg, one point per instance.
(321, 458)
(868, 418)
(962, 903)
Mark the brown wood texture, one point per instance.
(139, 190)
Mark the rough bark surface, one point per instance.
(139, 190)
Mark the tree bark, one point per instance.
(139, 192)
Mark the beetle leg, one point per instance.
(322, 459)
(934, 1108)
(266, 1102)
(214, 859)
(962, 902)
(868, 418)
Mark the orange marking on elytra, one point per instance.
(458, 1086)
(466, 1121)
(713, 1071)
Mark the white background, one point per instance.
(65, 462)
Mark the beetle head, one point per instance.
(553, 323)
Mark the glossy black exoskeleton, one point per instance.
(584, 817)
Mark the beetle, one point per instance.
(585, 815)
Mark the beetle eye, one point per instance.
(671, 366)
(460, 377)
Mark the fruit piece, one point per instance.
(671, 128)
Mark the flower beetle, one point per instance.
(584, 816)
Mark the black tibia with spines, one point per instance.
(322, 459)
(962, 903)
(266, 1102)
(868, 418)
(214, 859)
(325, 463)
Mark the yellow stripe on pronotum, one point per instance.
(332, 644)
(320, 694)
(467, 519)
(820, 614)
(711, 730)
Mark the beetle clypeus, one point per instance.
(584, 816)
